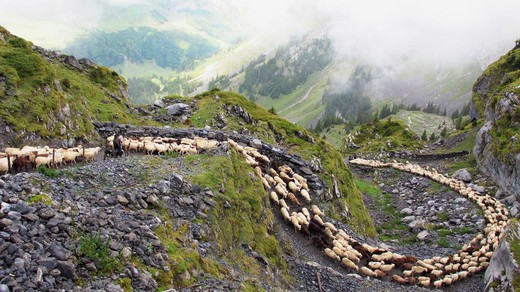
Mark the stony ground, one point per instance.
(45, 220)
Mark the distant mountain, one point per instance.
(174, 50)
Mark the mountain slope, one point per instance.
(54, 96)
(496, 105)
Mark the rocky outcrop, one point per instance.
(503, 267)
(496, 101)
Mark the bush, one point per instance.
(27, 64)
(48, 172)
(97, 250)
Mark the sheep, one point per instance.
(368, 272)
(90, 153)
(380, 274)
(281, 191)
(317, 211)
(293, 198)
(285, 213)
(70, 155)
(387, 268)
(295, 222)
(328, 232)
(274, 197)
(305, 212)
(305, 195)
(338, 251)
(318, 219)
(149, 147)
(43, 160)
(5, 164)
(331, 254)
(283, 204)
(285, 177)
(331, 227)
(399, 279)
(292, 187)
(375, 265)
(349, 264)
(265, 183)
(278, 180)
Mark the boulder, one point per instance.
(73, 62)
(158, 103)
(423, 235)
(503, 268)
(463, 175)
(178, 109)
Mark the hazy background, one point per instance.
(377, 31)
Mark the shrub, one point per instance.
(48, 172)
(26, 63)
(97, 250)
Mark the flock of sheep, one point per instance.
(20, 158)
(160, 145)
(290, 192)
(472, 258)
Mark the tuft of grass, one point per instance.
(48, 172)
(443, 216)
(443, 242)
(97, 249)
(41, 198)
(367, 188)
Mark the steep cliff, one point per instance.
(496, 105)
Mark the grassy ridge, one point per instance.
(45, 97)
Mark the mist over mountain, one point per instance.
(416, 52)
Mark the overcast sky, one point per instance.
(376, 30)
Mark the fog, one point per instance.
(375, 31)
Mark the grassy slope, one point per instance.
(303, 112)
(418, 121)
(268, 127)
(33, 110)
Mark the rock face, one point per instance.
(503, 267)
(496, 100)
